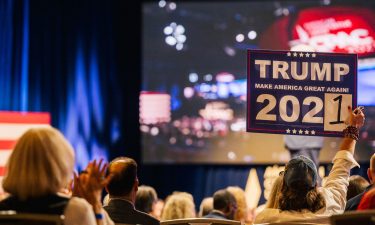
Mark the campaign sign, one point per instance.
(300, 93)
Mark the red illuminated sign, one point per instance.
(325, 29)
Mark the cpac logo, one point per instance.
(357, 41)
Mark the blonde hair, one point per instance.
(41, 163)
(179, 205)
(239, 195)
(206, 206)
(273, 199)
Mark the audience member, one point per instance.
(206, 206)
(179, 205)
(225, 206)
(145, 199)
(300, 198)
(40, 166)
(353, 203)
(122, 189)
(242, 210)
(357, 185)
(273, 199)
(368, 200)
(157, 209)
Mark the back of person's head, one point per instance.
(299, 186)
(239, 195)
(41, 163)
(368, 200)
(157, 209)
(145, 198)
(179, 205)
(206, 206)
(371, 170)
(357, 185)
(225, 202)
(124, 176)
(273, 198)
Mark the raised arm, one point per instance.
(336, 185)
(355, 121)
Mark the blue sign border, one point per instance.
(275, 129)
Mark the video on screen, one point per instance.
(193, 99)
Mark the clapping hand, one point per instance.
(90, 183)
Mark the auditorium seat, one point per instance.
(13, 218)
(200, 221)
(312, 221)
(366, 217)
(124, 224)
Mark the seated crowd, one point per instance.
(40, 168)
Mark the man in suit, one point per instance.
(225, 206)
(353, 203)
(122, 189)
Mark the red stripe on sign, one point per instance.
(7, 145)
(25, 117)
(2, 171)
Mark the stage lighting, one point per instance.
(207, 77)
(179, 46)
(252, 35)
(162, 3)
(172, 6)
(168, 30)
(175, 35)
(193, 77)
(240, 37)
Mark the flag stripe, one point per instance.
(23, 117)
(14, 131)
(2, 171)
(7, 144)
(4, 155)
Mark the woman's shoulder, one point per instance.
(79, 203)
(79, 212)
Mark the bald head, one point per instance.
(124, 175)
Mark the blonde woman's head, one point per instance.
(179, 205)
(41, 163)
(239, 195)
(275, 192)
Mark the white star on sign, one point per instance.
(294, 131)
(288, 54)
(301, 54)
(295, 54)
(307, 54)
(313, 55)
(313, 132)
(288, 131)
(300, 131)
(306, 132)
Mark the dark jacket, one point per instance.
(353, 203)
(215, 215)
(123, 211)
(49, 204)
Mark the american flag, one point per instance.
(12, 126)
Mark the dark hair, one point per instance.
(299, 196)
(222, 199)
(123, 177)
(145, 198)
(357, 185)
